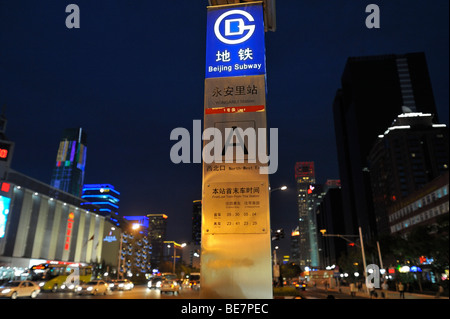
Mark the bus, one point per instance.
(54, 277)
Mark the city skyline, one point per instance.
(129, 80)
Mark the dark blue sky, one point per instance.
(135, 70)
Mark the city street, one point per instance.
(138, 292)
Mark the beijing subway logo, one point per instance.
(236, 29)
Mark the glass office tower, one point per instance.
(68, 173)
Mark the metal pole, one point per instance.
(379, 255)
(174, 254)
(364, 258)
(120, 253)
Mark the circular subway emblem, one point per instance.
(233, 27)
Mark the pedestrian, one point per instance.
(359, 284)
(371, 288)
(385, 288)
(440, 291)
(353, 289)
(401, 290)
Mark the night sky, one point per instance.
(134, 71)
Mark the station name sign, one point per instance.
(235, 41)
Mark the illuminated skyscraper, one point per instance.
(68, 174)
(305, 177)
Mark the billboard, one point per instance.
(4, 212)
(235, 41)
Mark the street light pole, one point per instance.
(323, 231)
(364, 258)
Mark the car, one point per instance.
(300, 285)
(94, 287)
(170, 285)
(122, 284)
(155, 282)
(24, 288)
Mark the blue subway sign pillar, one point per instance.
(236, 245)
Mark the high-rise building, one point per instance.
(102, 199)
(375, 89)
(157, 224)
(6, 148)
(295, 246)
(136, 251)
(410, 153)
(68, 173)
(313, 199)
(330, 219)
(197, 222)
(304, 176)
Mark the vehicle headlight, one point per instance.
(111, 285)
(89, 288)
(120, 285)
(41, 284)
(5, 291)
(71, 286)
(63, 286)
(158, 284)
(79, 288)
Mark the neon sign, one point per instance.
(70, 222)
(4, 212)
(4, 151)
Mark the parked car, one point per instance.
(170, 285)
(15, 289)
(94, 287)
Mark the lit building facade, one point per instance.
(422, 207)
(304, 176)
(412, 152)
(41, 226)
(68, 173)
(103, 199)
(135, 256)
(313, 199)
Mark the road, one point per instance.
(138, 292)
(142, 292)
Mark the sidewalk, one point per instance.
(389, 294)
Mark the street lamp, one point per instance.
(175, 245)
(281, 188)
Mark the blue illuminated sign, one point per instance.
(235, 41)
(4, 212)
